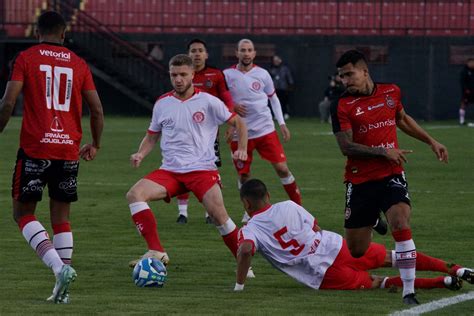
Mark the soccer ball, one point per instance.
(149, 272)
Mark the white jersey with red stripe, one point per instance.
(252, 90)
(188, 129)
(283, 234)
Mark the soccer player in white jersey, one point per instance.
(290, 239)
(251, 87)
(186, 120)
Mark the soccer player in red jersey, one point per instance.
(54, 81)
(290, 239)
(185, 121)
(365, 122)
(212, 81)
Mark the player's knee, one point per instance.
(282, 171)
(133, 195)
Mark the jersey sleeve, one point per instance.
(269, 87)
(339, 117)
(88, 83)
(399, 107)
(223, 92)
(18, 69)
(219, 109)
(155, 127)
(246, 234)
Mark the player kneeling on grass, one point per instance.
(187, 120)
(289, 238)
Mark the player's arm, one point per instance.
(352, 149)
(276, 108)
(410, 127)
(89, 151)
(146, 146)
(244, 259)
(238, 123)
(7, 104)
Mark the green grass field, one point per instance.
(201, 274)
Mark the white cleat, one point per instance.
(250, 274)
(162, 256)
(66, 276)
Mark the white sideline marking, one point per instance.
(435, 305)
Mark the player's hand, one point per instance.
(240, 109)
(240, 154)
(88, 152)
(229, 134)
(136, 160)
(285, 132)
(440, 151)
(397, 156)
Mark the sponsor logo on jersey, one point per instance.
(390, 102)
(198, 117)
(389, 90)
(256, 85)
(347, 213)
(239, 164)
(58, 55)
(353, 101)
(34, 186)
(167, 123)
(363, 129)
(386, 123)
(373, 107)
(385, 145)
(359, 111)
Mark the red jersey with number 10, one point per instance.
(53, 80)
(372, 120)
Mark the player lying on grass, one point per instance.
(289, 238)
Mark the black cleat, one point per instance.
(468, 276)
(182, 219)
(380, 226)
(209, 220)
(410, 299)
(455, 285)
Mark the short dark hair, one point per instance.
(254, 190)
(181, 60)
(51, 22)
(197, 40)
(351, 57)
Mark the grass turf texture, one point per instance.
(201, 273)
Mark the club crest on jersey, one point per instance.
(256, 85)
(390, 102)
(198, 117)
(208, 83)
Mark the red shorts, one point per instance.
(198, 182)
(349, 273)
(268, 146)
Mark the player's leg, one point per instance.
(183, 201)
(214, 204)
(462, 111)
(62, 233)
(449, 282)
(243, 168)
(155, 186)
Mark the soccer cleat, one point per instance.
(245, 218)
(61, 288)
(410, 299)
(380, 226)
(209, 220)
(468, 276)
(182, 219)
(250, 274)
(162, 256)
(455, 283)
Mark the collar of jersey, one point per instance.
(236, 68)
(196, 91)
(263, 209)
(51, 43)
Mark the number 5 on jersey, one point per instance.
(291, 243)
(53, 86)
